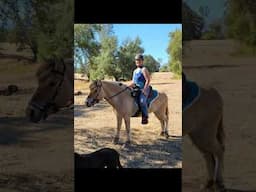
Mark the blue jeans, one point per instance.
(143, 103)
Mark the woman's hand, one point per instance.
(144, 91)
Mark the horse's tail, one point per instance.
(221, 134)
(166, 108)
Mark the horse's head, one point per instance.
(54, 91)
(96, 93)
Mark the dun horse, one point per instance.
(119, 96)
(54, 91)
(203, 123)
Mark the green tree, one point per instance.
(175, 52)
(165, 68)
(106, 60)
(19, 21)
(214, 31)
(42, 25)
(151, 64)
(86, 46)
(192, 22)
(55, 35)
(241, 21)
(125, 57)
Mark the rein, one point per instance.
(118, 93)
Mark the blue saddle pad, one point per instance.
(194, 93)
(153, 95)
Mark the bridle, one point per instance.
(99, 86)
(51, 103)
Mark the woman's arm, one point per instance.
(147, 78)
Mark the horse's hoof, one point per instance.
(116, 140)
(212, 186)
(162, 133)
(166, 135)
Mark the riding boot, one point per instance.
(144, 113)
(144, 108)
(144, 120)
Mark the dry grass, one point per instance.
(22, 75)
(10, 48)
(95, 128)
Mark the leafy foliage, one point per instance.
(44, 26)
(175, 52)
(100, 55)
(164, 68)
(241, 21)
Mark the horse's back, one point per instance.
(212, 96)
(205, 113)
(161, 100)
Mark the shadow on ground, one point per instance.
(17, 129)
(161, 153)
(83, 110)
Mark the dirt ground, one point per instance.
(34, 157)
(211, 64)
(95, 128)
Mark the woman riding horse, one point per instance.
(141, 79)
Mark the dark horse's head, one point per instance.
(54, 91)
(96, 93)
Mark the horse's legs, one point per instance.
(219, 165)
(213, 154)
(119, 124)
(161, 121)
(127, 127)
(164, 123)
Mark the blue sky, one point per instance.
(154, 37)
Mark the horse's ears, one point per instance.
(98, 83)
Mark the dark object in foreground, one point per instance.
(103, 158)
(9, 90)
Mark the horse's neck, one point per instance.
(110, 89)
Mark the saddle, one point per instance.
(135, 93)
(190, 93)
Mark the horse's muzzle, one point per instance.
(90, 102)
(36, 112)
(34, 115)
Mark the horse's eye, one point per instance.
(52, 83)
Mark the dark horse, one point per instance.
(103, 158)
(54, 91)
